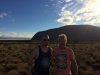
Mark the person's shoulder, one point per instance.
(56, 48)
(34, 49)
(51, 48)
(69, 49)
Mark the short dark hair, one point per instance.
(44, 36)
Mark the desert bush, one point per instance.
(2, 73)
(83, 66)
(2, 61)
(82, 72)
(97, 60)
(14, 62)
(90, 73)
(23, 57)
(3, 54)
(11, 66)
(96, 54)
(23, 72)
(4, 48)
(2, 69)
(89, 61)
(87, 55)
(96, 66)
(10, 47)
(52, 68)
(26, 66)
(13, 72)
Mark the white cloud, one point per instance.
(65, 16)
(65, 21)
(54, 4)
(25, 35)
(94, 21)
(61, 1)
(46, 5)
(65, 13)
(13, 19)
(15, 34)
(68, 0)
(73, 23)
(87, 12)
(0, 33)
(77, 18)
(2, 15)
(84, 11)
(82, 1)
(52, 0)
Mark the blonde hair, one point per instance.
(62, 36)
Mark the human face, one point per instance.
(45, 40)
(62, 42)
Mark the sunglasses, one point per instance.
(46, 39)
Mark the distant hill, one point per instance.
(73, 32)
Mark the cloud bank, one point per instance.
(15, 34)
(78, 11)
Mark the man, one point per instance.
(64, 58)
(41, 56)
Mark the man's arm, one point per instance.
(75, 67)
(31, 59)
(74, 63)
(52, 62)
(51, 54)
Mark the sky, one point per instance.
(24, 18)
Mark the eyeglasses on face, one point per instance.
(46, 39)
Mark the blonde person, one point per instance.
(64, 58)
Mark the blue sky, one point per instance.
(24, 18)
